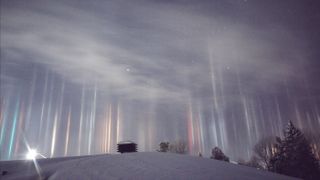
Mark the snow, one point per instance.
(126, 142)
(146, 165)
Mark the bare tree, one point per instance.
(264, 151)
(179, 147)
(164, 147)
(254, 162)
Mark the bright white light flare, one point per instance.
(32, 154)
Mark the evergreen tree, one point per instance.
(294, 156)
(219, 155)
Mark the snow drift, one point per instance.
(147, 165)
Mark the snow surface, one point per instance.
(146, 165)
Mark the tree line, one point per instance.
(292, 155)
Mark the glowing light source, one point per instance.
(32, 154)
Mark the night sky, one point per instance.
(79, 76)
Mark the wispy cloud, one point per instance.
(141, 50)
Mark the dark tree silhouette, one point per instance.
(294, 156)
(219, 155)
(164, 147)
(314, 139)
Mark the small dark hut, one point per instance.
(127, 146)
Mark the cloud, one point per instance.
(147, 50)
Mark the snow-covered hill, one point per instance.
(147, 165)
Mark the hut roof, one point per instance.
(126, 142)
